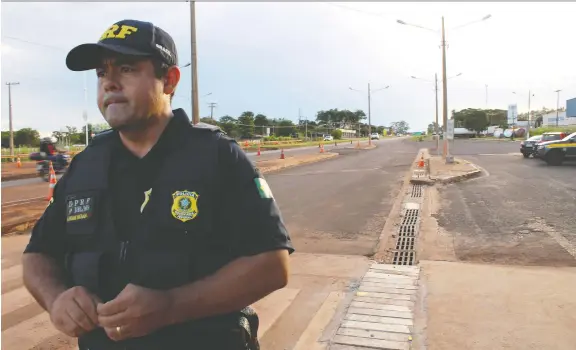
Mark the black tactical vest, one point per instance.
(179, 238)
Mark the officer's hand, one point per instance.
(137, 311)
(74, 312)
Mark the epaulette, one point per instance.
(210, 127)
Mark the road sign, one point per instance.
(512, 114)
(450, 129)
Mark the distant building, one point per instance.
(348, 133)
(549, 119)
(571, 108)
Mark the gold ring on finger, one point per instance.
(118, 329)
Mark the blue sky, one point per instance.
(277, 58)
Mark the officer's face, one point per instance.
(129, 93)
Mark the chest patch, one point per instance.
(79, 209)
(184, 205)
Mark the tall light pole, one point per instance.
(10, 117)
(444, 80)
(195, 107)
(370, 91)
(436, 93)
(530, 95)
(557, 105)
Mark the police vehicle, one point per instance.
(555, 152)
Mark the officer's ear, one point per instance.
(171, 80)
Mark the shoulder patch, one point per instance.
(207, 126)
(263, 189)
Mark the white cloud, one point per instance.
(275, 58)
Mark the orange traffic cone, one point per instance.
(282, 154)
(52, 182)
(358, 144)
(421, 162)
(258, 150)
(322, 149)
(18, 162)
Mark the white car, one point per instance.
(375, 136)
(328, 138)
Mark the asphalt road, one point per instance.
(340, 206)
(522, 212)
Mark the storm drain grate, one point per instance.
(404, 258)
(416, 191)
(410, 217)
(407, 231)
(405, 243)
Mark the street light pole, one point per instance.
(437, 125)
(10, 117)
(557, 105)
(444, 93)
(194, 62)
(529, 115)
(369, 118)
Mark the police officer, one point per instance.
(161, 233)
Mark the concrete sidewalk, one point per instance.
(490, 307)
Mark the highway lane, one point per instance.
(340, 206)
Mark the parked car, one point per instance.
(328, 138)
(556, 152)
(528, 147)
(549, 136)
(374, 136)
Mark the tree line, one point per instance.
(478, 119)
(250, 125)
(70, 135)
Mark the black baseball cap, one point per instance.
(127, 37)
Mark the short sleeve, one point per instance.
(255, 222)
(48, 232)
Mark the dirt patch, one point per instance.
(11, 172)
(20, 218)
(434, 243)
(268, 166)
(479, 307)
(442, 172)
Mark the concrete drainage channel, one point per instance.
(404, 251)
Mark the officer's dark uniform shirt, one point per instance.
(256, 224)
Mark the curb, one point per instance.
(19, 227)
(273, 170)
(458, 178)
(18, 177)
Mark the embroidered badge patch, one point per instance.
(185, 205)
(79, 208)
(263, 188)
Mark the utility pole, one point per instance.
(10, 117)
(437, 125)
(529, 117)
(212, 105)
(369, 119)
(557, 105)
(194, 62)
(444, 93)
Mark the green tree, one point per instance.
(229, 125)
(400, 127)
(26, 137)
(246, 124)
(285, 128)
(337, 134)
(208, 120)
(261, 122)
(471, 119)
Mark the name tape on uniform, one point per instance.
(79, 208)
